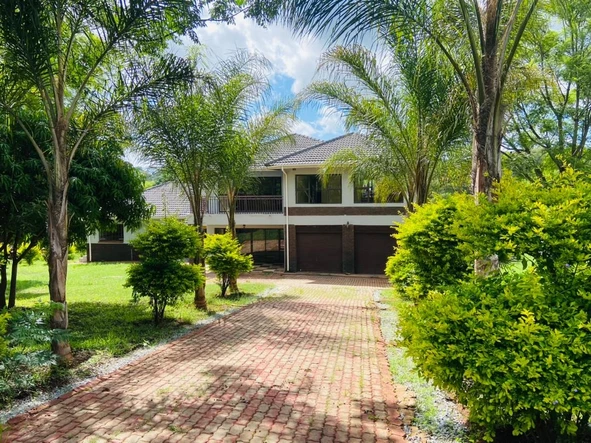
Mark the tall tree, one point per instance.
(179, 135)
(551, 118)
(215, 155)
(251, 127)
(104, 190)
(81, 61)
(249, 140)
(408, 107)
(479, 39)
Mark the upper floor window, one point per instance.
(365, 192)
(311, 189)
(263, 186)
(115, 234)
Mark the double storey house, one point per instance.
(291, 217)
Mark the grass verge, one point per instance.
(104, 322)
(435, 413)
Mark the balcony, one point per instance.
(247, 204)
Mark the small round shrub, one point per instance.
(162, 275)
(222, 254)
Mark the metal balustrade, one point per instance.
(247, 204)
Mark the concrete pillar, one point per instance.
(293, 265)
(348, 249)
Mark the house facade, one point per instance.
(291, 217)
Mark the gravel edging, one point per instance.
(114, 363)
(437, 418)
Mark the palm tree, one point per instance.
(478, 38)
(81, 61)
(207, 136)
(252, 136)
(408, 107)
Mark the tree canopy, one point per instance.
(409, 108)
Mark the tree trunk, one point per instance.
(233, 282)
(199, 300)
(13, 278)
(58, 258)
(486, 146)
(3, 284)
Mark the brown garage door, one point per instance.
(373, 246)
(319, 248)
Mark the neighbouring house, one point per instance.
(291, 217)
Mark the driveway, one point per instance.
(307, 364)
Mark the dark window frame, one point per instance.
(368, 186)
(317, 191)
(116, 235)
(364, 191)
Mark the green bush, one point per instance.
(22, 365)
(4, 317)
(162, 275)
(223, 256)
(513, 346)
(428, 254)
(515, 353)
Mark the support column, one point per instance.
(293, 265)
(348, 249)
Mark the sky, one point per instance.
(293, 60)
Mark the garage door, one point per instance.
(373, 246)
(319, 248)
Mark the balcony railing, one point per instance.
(247, 204)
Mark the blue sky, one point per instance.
(294, 62)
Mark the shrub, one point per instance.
(22, 364)
(222, 254)
(162, 275)
(428, 254)
(515, 353)
(3, 328)
(515, 346)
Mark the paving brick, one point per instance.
(307, 364)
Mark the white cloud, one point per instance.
(294, 57)
(329, 124)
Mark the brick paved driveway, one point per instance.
(305, 365)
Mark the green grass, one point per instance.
(104, 320)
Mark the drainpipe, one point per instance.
(286, 220)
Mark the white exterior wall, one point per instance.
(127, 236)
(212, 221)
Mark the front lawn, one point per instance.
(102, 316)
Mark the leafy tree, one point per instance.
(161, 275)
(214, 156)
(223, 256)
(478, 39)
(81, 61)
(170, 138)
(413, 120)
(103, 189)
(551, 119)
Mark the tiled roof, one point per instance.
(295, 143)
(168, 199)
(319, 153)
